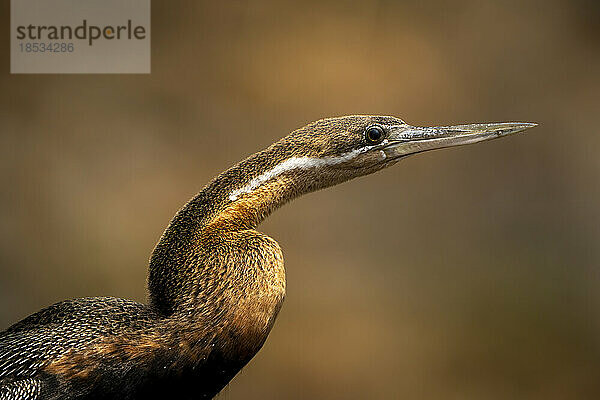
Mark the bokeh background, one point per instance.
(469, 273)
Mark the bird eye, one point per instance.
(374, 134)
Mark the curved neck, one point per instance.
(238, 199)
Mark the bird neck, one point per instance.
(243, 196)
(236, 200)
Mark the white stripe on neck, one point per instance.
(291, 164)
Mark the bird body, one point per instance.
(215, 283)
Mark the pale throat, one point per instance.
(294, 163)
(248, 202)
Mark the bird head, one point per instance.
(334, 150)
(361, 144)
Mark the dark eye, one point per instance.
(374, 134)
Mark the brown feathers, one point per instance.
(216, 284)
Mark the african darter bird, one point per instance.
(215, 283)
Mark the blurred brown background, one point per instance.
(470, 273)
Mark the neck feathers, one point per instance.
(243, 196)
(238, 199)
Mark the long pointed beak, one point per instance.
(405, 139)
